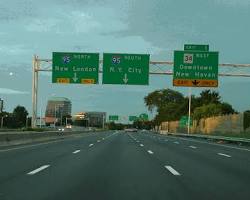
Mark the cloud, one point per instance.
(11, 91)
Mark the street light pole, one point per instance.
(2, 120)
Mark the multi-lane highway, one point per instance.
(118, 165)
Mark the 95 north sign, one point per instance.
(128, 69)
(195, 69)
(79, 68)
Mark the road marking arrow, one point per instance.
(125, 79)
(75, 77)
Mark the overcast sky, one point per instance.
(156, 27)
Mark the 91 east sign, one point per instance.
(195, 69)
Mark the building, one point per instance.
(90, 119)
(57, 108)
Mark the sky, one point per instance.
(158, 27)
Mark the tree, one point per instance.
(168, 104)
(160, 98)
(227, 108)
(205, 111)
(20, 115)
(208, 97)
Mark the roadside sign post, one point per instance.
(125, 69)
(195, 67)
(189, 109)
(79, 68)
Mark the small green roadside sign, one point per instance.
(184, 121)
(128, 69)
(81, 68)
(196, 47)
(113, 117)
(132, 118)
(196, 69)
(143, 116)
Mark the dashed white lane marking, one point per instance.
(176, 142)
(166, 140)
(38, 169)
(103, 138)
(222, 154)
(76, 151)
(91, 145)
(98, 140)
(193, 147)
(141, 145)
(150, 152)
(172, 170)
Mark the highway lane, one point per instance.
(16, 160)
(216, 171)
(118, 165)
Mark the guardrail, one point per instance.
(211, 137)
(9, 138)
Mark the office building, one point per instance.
(90, 119)
(57, 108)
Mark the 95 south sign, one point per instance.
(127, 69)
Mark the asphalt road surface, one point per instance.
(118, 165)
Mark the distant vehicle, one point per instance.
(68, 126)
(60, 129)
(131, 130)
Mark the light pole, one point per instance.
(2, 120)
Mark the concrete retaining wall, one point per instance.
(220, 124)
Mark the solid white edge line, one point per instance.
(225, 155)
(203, 142)
(172, 170)
(38, 169)
(76, 151)
(150, 152)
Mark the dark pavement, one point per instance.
(118, 165)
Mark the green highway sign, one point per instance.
(143, 116)
(184, 121)
(133, 118)
(196, 69)
(128, 69)
(196, 47)
(81, 68)
(113, 117)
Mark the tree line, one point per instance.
(17, 119)
(171, 105)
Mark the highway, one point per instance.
(115, 165)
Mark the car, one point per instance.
(131, 130)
